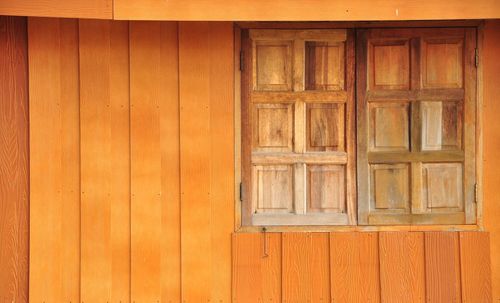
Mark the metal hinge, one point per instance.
(476, 57)
(241, 191)
(242, 60)
(476, 192)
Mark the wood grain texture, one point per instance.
(303, 11)
(54, 160)
(206, 96)
(354, 267)
(14, 160)
(402, 268)
(491, 138)
(306, 264)
(105, 161)
(155, 162)
(257, 267)
(442, 267)
(96, 9)
(146, 208)
(475, 267)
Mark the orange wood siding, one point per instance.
(404, 272)
(491, 144)
(97, 9)
(302, 10)
(54, 160)
(110, 118)
(14, 161)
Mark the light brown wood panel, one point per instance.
(326, 188)
(14, 160)
(155, 238)
(105, 161)
(402, 268)
(442, 267)
(54, 158)
(303, 10)
(96, 9)
(297, 112)
(354, 267)
(206, 92)
(475, 267)
(306, 265)
(257, 267)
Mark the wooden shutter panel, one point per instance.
(298, 127)
(416, 126)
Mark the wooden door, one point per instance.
(298, 127)
(416, 126)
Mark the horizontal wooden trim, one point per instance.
(305, 96)
(360, 228)
(308, 158)
(402, 219)
(356, 24)
(451, 94)
(309, 34)
(401, 157)
(304, 10)
(294, 219)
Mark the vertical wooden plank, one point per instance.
(442, 265)
(14, 160)
(169, 145)
(306, 267)
(475, 265)
(105, 160)
(194, 69)
(221, 156)
(54, 160)
(402, 276)
(257, 267)
(155, 217)
(354, 266)
(206, 102)
(146, 210)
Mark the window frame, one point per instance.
(240, 26)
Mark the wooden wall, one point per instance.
(362, 267)
(491, 145)
(124, 205)
(14, 161)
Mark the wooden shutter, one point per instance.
(416, 126)
(298, 127)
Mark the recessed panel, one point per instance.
(325, 127)
(442, 63)
(272, 189)
(389, 126)
(273, 65)
(442, 186)
(441, 125)
(324, 65)
(389, 64)
(272, 127)
(390, 186)
(326, 188)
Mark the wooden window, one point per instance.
(298, 132)
(416, 118)
(402, 153)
